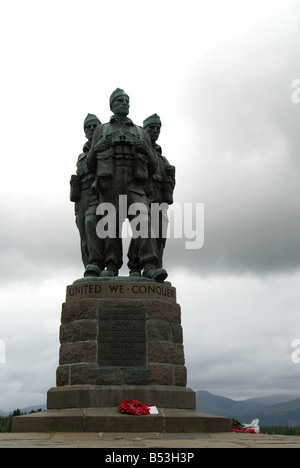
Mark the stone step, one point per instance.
(111, 420)
(97, 396)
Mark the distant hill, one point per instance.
(274, 399)
(273, 410)
(281, 414)
(221, 406)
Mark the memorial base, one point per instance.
(111, 420)
(120, 339)
(104, 396)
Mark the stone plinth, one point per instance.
(121, 333)
(120, 339)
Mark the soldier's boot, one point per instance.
(92, 270)
(135, 273)
(157, 274)
(111, 270)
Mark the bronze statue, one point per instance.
(163, 180)
(123, 162)
(86, 202)
(163, 183)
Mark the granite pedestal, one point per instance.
(120, 338)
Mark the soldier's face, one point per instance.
(120, 105)
(89, 130)
(154, 131)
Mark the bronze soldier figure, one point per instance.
(86, 202)
(163, 183)
(122, 160)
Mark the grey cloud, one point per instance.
(242, 161)
(239, 341)
(38, 238)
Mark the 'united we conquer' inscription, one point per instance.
(119, 289)
(122, 337)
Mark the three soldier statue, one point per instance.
(122, 159)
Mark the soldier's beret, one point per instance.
(90, 118)
(117, 92)
(153, 119)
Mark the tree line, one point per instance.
(6, 421)
(280, 430)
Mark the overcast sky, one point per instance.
(219, 73)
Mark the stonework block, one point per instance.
(77, 352)
(109, 377)
(164, 310)
(161, 374)
(169, 353)
(63, 375)
(180, 376)
(78, 310)
(81, 330)
(158, 330)
(83, 374)
(176, 333)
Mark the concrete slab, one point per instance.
(136, 441)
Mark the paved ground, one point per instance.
(119, 441)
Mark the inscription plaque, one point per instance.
(116, 289)
(122, 337)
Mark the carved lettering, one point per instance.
(122, 337)
(119, 289)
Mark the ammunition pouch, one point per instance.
(171, 172)
(168, 185)
(75, 188)
(141, 168)
(105, 164)
(148, 187)
(167, 192)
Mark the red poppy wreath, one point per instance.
(134, 407)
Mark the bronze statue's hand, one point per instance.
(101, 145)
(142, 147)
